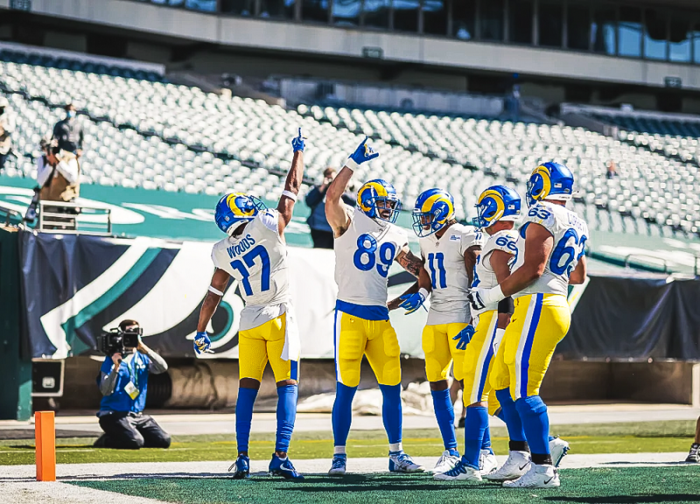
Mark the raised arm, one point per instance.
(219, 281)
(285, 207)
(337, 212)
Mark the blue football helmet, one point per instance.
(235, 208)
(497, 203)
(434, 209)
(550, 181)
(377, 199)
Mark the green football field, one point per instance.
(670, 436)
(608, 485)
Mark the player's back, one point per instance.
(570, 234)
(257, 259)
(444, 261)
(363, 256)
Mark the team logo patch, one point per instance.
(454, 238)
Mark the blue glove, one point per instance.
(298, 142)
(202, 343)
(464, 337)
(362, 154)
(411, 302)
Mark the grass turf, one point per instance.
(666, 436)
(600, 485)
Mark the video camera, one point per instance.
(118, 341)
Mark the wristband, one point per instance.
(506, 306)
(351, 164)
(216, 291)
(493, 295)
(290, 195)
(423, 292)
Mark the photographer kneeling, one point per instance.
(123, 382)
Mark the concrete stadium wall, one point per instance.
(214, 384)
(320, 40)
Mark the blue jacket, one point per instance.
(137, 373)
(315, 201)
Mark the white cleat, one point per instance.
(446, 462)
(558, 448)
(460, 472)
(539, 476)
(487, 462)
(517, 465)
(401, 462)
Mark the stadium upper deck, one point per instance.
(561, 44)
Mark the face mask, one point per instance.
(71, 114)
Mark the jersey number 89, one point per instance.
(365, 257)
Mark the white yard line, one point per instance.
(122, 470)
(62, 493)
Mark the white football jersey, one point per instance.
(570, 234)
(363, 256)
(257, 259)
(484, 275)
(444, 261)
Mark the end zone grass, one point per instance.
(607, 438)
(613, 485)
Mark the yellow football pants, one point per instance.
(440, 350)
(539, 323)
(478, 360)
(355, 337)
(266, 342)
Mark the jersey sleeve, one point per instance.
(270, 219)
(107, 365)
(542, 215)
(505, 241)
(470, 238)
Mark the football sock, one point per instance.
(342, 414)
(486, 441)
(476, 423)
(542, 459)
(286, 414)
(445, 415)
(535, 422)
(392, 412)
(518, 446)
(511, 416)
(244, 416)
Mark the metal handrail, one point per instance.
(638, 254)
(47, 218)
(9, 212)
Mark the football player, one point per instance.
(550, 255)
(367, 242)
(255, 255)
(449, 251)
(498, 208)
